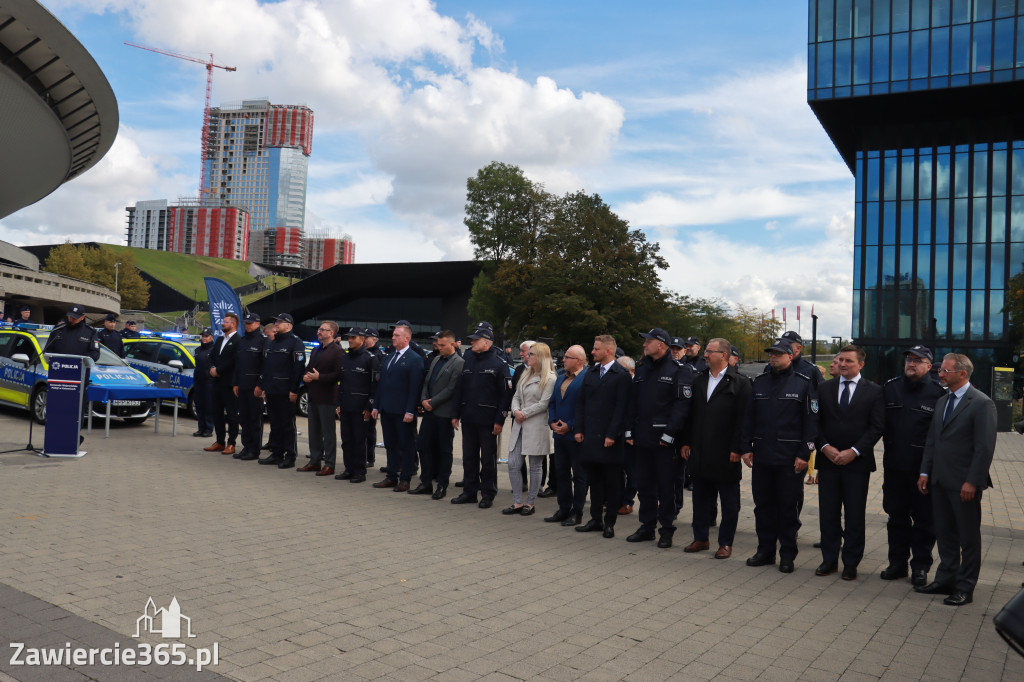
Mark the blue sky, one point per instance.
(689, 118)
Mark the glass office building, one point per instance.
(922, 98)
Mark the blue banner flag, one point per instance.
(223, 300)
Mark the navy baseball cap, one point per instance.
(658, 334)
(24, 308)
(111, 317)
(284, 317)
(692, 341)
(129, 322)
(371, 331)
(921, 352)
(482, 333)
(403, 323)
(207, 332)
(781, 346)
(357, 331)
(252, 317)
(76, 311)
(792, 337)
(734, 351)
(676, 342)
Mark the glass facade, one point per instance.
(939, 206)
(877, 47)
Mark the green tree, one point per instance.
(96, 265)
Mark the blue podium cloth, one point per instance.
(95, 393)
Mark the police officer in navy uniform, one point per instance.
(360, 370)
(477, 405)
(372, 337)
(202, 385)
(74, 336)
(659, 406)
(779, 429)
(111, 338)
(129, 331)
(283, 368)
(909, 407)
(24, 316)
(800, 363)
(692, 355)
(248, 366)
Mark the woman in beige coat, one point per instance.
(531, 435)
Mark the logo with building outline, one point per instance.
(164, 622)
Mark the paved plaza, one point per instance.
(295, 577)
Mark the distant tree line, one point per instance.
(95, 264)
(567, 268)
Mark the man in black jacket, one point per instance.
(600, 422)
(909, 407)
(712, 447)
(659, 406)
(202, 389)
(248, 365)
(359, 373)
(225, 402)
(279, 381)
(321, 379)
(110, 337)
(74, 336)
(851, 420)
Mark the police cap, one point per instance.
(692, 341)
(792, 337)
(252, 317)
(658, 334)
(111, 317)
(920, 352)
(676, 342)
(357, 331)
(371, 331)
(76, 311)
(780, 346)
(284, 317)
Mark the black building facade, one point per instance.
(922, 98)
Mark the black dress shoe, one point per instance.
(508, 511)
(528, 510)
(249, 456)
(892, 572)
(486, 503)
(590, 526)
(935, 588)
(343, 476)
(786, 566)
(286, 464)
(357, 478)
(266, 446)
(761, 560)
(849, 573)
(240, 453)
(422, 489)
(919, 577)
(459, 484)
(641, 535)
(557, 517)
(464, 498)
(826, 568)
(440, 492)
(665, 541)
(198, 434)
(958, 599)
(383, 470)
(547, 492)
(609, 532)
(573, 519)
(271, 460)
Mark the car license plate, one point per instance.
(126, 403)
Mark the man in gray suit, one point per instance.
(957, 456)
(436, 431)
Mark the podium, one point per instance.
(65, 390)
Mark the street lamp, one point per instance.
(115, 276)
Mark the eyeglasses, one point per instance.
(912, 360)
(322, 329)
(709, 352)
(949, 371)
(572, 357)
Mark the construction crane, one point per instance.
(205, 142)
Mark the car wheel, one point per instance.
(38, 405)
(302, 404)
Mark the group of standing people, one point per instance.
(610, 424)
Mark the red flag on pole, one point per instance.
(783, 315)
(773, 314)
(798, 313)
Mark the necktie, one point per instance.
(844, 399)
(603, 369)
(949, 408)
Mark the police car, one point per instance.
(173, 356)
(170, 356)
(24, 368)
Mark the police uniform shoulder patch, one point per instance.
(301, 356)
(814, 405)
(893, 379)
(687, 391)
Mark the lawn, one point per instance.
(184, 273)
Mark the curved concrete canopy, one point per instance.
(58, 114)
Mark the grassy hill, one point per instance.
(184, 273)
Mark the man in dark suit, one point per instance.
(436, 435)
(225, 402)
(401, 378)
(851, 419)
(561, 417)
(601, 418)
(712, 447)
(954, 470)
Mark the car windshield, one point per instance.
(107, 357)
